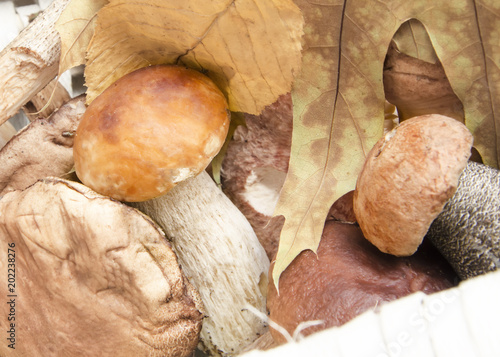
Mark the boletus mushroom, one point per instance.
(461, 321)
(417, 87)
(407, 178)
(150, 130)
(417, 181)
(93, 277)
(147, 139)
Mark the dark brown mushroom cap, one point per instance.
(417, 87)
(94, 277)
(255, 166)
(348, 276)
(407, 178)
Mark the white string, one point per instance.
(297, 334)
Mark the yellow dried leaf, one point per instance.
(250, 48)
(76, 28)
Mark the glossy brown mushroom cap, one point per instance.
(148, 131)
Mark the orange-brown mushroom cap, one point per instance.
(407, 178)
(151, 129)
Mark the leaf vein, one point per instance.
(156, 5)
(360, 72)
(323, 169)
(361, 29)
(271, 43)
(253, 52)
(356, 125)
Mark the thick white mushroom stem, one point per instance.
(221, 255)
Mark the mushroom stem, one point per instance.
(221, 256)
(467, 231)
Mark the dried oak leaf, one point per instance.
(94, 277)
(338, 97)
(43, 148)
(250, 48)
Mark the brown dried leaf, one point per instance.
(250, 48)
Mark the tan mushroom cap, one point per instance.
(407, 178)
(150, 130)
(43, 148)
(94, 277)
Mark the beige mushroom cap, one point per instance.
(407, 178)
(94, 277)
(43, 148)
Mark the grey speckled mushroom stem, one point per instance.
(467, 231)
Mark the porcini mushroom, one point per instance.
(91, 277)
(406, 180)
(417, 87)
(157, 128)
(460, 321)
(148, 131)
(417, 182)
